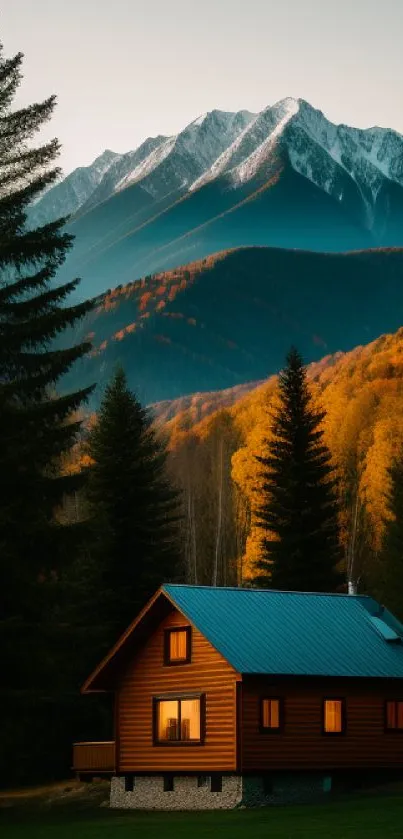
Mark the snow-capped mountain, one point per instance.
(238, 144)
(68, 195)
(284, 177)
(161, 164)
(317, 149)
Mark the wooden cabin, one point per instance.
(226, 696)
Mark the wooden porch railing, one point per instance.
(94, 756)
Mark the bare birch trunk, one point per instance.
(352, 547)
(219, 513)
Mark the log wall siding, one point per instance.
(146, 677)
(302, 745)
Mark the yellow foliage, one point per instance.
(361, 393)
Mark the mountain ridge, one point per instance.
(229, 319)
(338, 140)
(286, 177)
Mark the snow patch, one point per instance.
(146, 166)
(199, 120)
(246, 170)
(222, 161)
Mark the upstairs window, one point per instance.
(270, 714)
(333, 716)
(177, 645)
(179, 720)
(394, 715)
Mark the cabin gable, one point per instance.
(150, 676)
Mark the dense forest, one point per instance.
(214, 459)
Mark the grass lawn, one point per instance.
(368, 817)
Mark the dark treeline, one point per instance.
(68, 585)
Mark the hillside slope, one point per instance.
(361, 393)
(231, 318)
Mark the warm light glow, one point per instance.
(271, 713)
(333, 716)
(168, 720)
(178, 719)
(178, 645)
(190, 719)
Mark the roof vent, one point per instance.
(388, 634)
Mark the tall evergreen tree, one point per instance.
(37, 426)
(388, 576)
(134, 508)
(299, 509)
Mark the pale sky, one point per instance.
(124, 70)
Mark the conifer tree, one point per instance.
(36, 428)
(389, 572)
(299, 509)
(134, 508)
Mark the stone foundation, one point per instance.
(192, 792)
(148, 793)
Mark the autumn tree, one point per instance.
(133, 508)
(298, 508)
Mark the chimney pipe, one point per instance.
(352, 587)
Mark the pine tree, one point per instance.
(299, 510)
(36, 428)
(389, 567)
(134, 508)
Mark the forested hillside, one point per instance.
(215, 462)
(231, 318)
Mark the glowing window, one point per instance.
(177, 645)
(333, 716)
(178, 720)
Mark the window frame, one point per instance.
(343, 729)
(178, 697)
(167, 636)
(281, 704)
(388, 729)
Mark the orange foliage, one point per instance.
(362, 395)
(144, 299)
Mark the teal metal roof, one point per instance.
(295, 633)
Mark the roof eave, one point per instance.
(91, 684)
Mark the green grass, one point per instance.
(378, 817)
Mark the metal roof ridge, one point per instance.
(269, 591)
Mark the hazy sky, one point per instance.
(124, 70)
